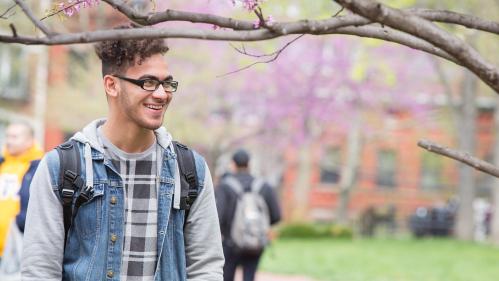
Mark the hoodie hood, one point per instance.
(89, 137)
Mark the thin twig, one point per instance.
(61, 10)
(3, 16)
(13, 28)
(259, 13)
(337, 13)
(244, 52)
(276, 55)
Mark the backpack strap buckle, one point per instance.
(72, 181)
(84, 196)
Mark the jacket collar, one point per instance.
(89, 135)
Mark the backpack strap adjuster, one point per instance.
(67, 195)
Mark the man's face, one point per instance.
(18, 139)
(145, 108)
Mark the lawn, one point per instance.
(383, 260)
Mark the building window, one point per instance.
(385, 176)
(13, 73)
(431, 171)
(330, 165)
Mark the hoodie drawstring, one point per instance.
(88, 166)
(176, 194)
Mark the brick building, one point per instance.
(393, 170)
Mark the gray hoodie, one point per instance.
(44, 232)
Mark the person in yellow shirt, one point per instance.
(18, 155)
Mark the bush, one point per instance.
(301, 230)
(341, 231)
(310, 230)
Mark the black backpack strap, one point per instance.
(188, 176)
(70, 181)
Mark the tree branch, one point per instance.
(460, 156)
(468, 21)
(370, 31)
(132, 14)
(174, 15)
(32, 17)
(426, 30)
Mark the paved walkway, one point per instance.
(264, 276)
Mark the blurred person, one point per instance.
(230, 195)
(18, 163)
(131, 227)
(481, 219)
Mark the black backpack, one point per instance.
(72, 185)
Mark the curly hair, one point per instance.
(118, 55)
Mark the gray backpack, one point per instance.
(251, 222)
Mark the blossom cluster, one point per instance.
(69, 8)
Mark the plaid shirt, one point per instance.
(138, 171)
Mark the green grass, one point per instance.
(383, 260)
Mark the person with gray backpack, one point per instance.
(247, 208)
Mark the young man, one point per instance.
(18, 163)
(132, 227)
(227, 194)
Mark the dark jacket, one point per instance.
(226, 202)
(24, 194)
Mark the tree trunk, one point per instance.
(41, 85)
(466, 139)
(348, 173)
(495, 181)
(302, 185)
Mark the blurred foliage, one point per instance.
(313, 230)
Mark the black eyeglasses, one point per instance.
(151, 84)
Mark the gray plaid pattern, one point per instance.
(138, 171)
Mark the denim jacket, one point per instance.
(94, 245)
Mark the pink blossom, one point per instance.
(69, 11)
(256, 23)
(270, 20)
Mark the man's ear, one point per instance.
(111, 86)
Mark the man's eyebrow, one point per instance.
(148, 76)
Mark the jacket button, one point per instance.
(110, 274)
(114, 237)
(113, 200)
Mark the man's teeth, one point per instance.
(154, 106)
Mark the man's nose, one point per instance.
(160, 93)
